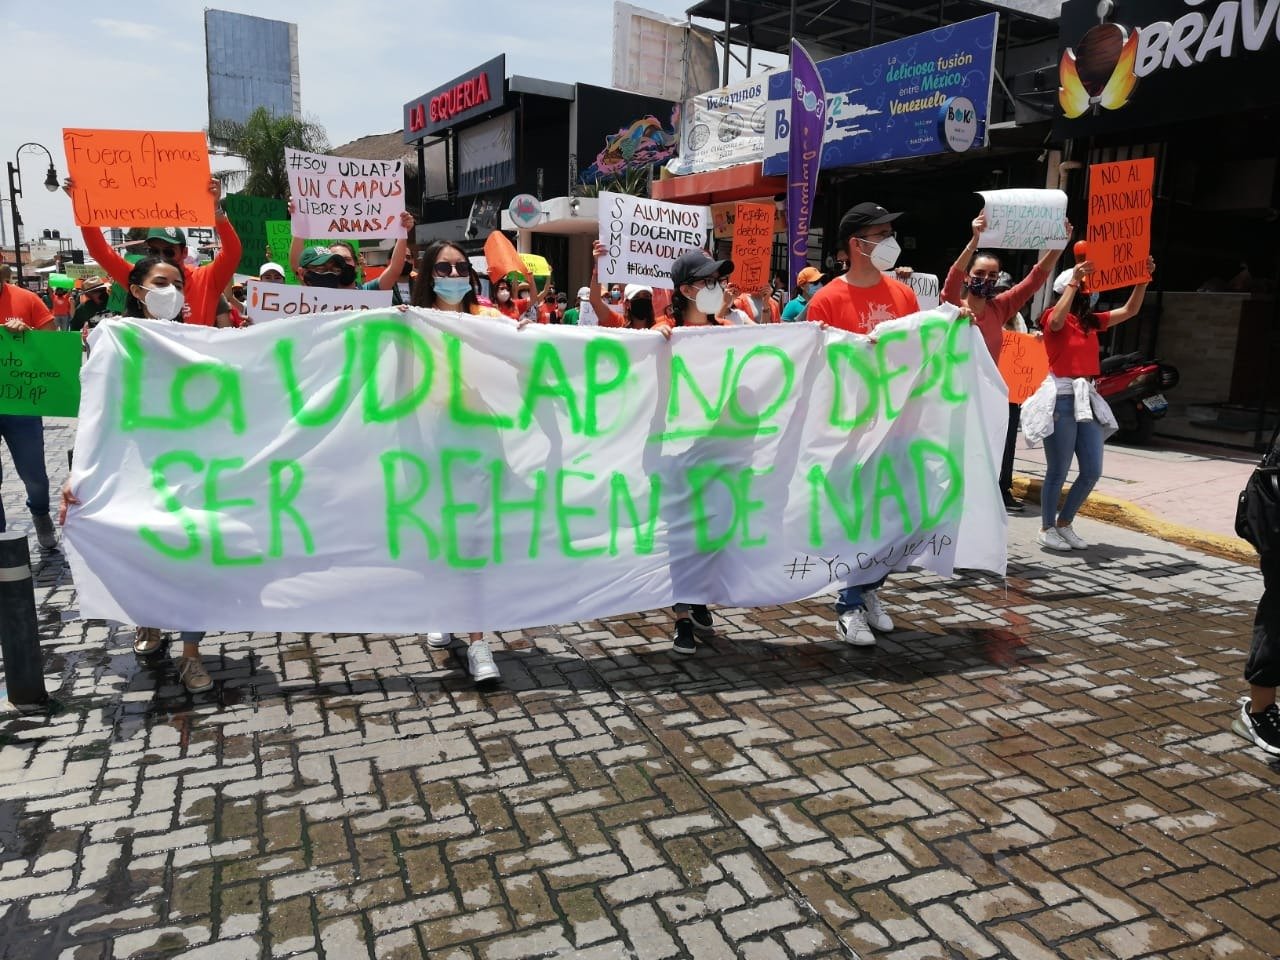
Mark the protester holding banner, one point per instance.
(21, 312)
(1066, 412)
(971, 282)
(447, 282)
(348, 252)
(203, 285)
(808, 283)
(637, 299)
(857, 301)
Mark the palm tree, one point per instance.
(261, 141)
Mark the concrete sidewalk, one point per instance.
(1189, 489)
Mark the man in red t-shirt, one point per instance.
(861, 298)
(857, 301)
(21, 312)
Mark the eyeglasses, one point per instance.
(878, 237)
(444, 268)
(705, 282)
(167, 253)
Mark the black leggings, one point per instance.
(1262, 669)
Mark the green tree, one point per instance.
(261, 141)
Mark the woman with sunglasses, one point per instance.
(974, 286)
(447, 282)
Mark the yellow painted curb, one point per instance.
(1122, 513)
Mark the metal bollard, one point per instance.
(19, 635)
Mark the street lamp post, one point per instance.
(15, 191)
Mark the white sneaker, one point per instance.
(877, 619)
(1051, 539)
(480, 662)
(439, 640)
(852, 628)
(1072, 539)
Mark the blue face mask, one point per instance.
(811, 289)
(1093, 300)
(452, 289)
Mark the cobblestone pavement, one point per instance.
(1038, 769)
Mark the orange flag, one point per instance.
(503, 259)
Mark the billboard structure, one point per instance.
(649, 54)
(250, 62)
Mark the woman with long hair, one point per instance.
(1072, 418)
(447, 282)
(155, 292)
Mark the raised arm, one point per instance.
(224, 264)
(389, 277)
(295, 249)
(1134, 303)
(953, 284)
(605, 314)
(1058, 315)
(112, 264)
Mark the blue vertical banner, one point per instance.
(808, 117)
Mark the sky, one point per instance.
(141, 65)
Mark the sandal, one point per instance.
(148, 642)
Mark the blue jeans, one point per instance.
(1084, 439)
(850, 598)
(25, 439)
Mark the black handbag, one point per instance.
(1258, 507)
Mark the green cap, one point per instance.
(172, 235)
(316, 256)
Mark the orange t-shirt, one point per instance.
(858, 309)
(16, 302)
(61, 303)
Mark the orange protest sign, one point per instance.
(1120, 222)
(1023, 364)
(139, 178)
(752, 245)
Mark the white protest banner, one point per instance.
(587, 315)
(642, 237)
(344, 197)
(925, 285)
(724, 127)
(271, 301)
(1024, 219)
(407, 472)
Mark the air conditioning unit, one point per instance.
(1035, 94)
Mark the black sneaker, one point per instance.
(1260, 729)
(683, 643)
(703, 623)
(1012, 504)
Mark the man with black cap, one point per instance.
(203, 286)
(863, 296)
(857, 301)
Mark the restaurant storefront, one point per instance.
(1184, 84)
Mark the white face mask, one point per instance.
(163, 303)
(504, 296)
(885, 253)
(709, 299)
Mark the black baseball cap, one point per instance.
(863, 215)
(697, 265)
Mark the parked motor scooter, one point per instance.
(1134, 386)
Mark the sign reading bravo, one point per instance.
(474, 93)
